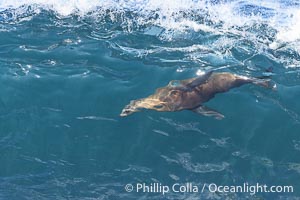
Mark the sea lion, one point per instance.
(190, 94)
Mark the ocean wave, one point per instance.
(252, 35)
(197, 15)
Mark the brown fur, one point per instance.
(174, 98)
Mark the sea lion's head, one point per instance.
(164, 99)
(129, 109)
(150, 102)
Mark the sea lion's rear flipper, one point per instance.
(265, 79)
(206, 111)
(264, 82)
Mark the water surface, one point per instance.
(69, 67)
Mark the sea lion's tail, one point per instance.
(265, 79)
(266, 82)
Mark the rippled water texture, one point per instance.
(67, 68)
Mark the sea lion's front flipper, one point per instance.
(200, 80)
(206, 111)
(190, 84)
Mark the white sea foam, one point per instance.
(234, 16)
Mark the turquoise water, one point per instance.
(69, 68)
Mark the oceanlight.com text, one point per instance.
(211, 187)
